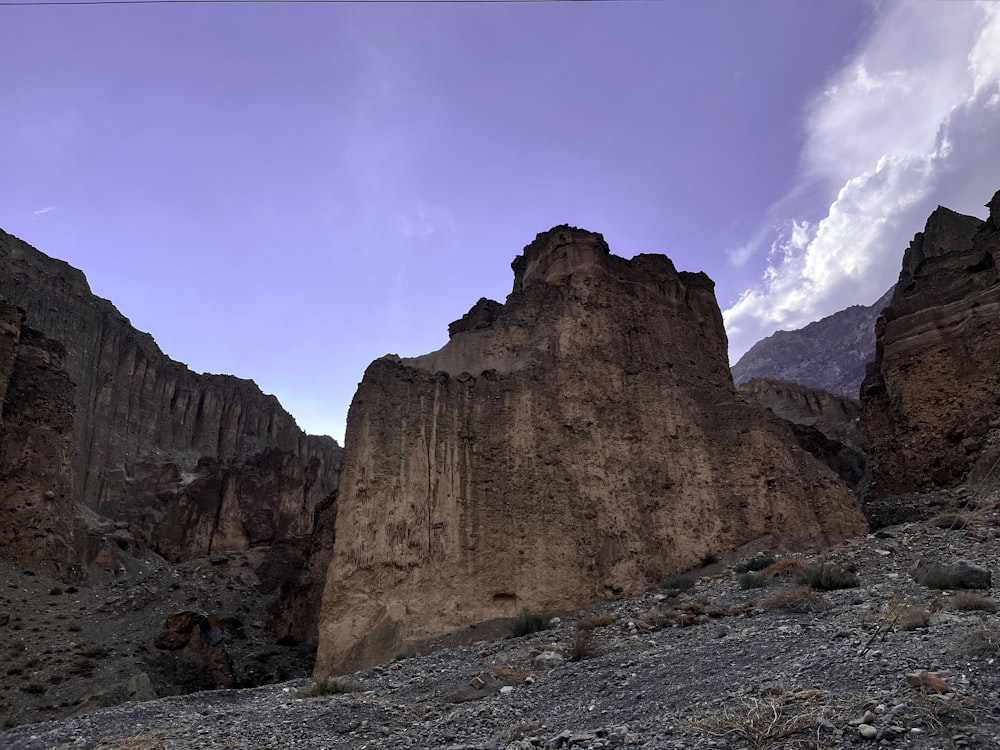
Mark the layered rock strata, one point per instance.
(580, 441)
(931, 398)
(194, 463)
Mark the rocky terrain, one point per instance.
(733, 662)
(580, 440)
(829, 354)
(931, 397)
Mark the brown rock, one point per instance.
(171, 640)
(928, 681)
(934, 387)
(593, 444)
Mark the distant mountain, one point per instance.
(830, 354)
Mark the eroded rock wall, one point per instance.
(580, 441)
(931, 398)
(38, 522)
(196, 463)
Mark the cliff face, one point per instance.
(825, 424)
(828, 354)
(38, 523)
(931, 398)
(196, 463)
(582, 440)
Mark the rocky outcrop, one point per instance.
(931, 398)
(829, 354)
(38, 523)
(580, 441)
(826, 425)
(197, 463)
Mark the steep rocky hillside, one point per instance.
(582, 440)
(829, 354)
(192, 463)
(886, 663)
(825, 424)
(932, 396)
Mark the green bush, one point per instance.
(828, 577)
(529, 622)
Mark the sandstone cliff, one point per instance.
(582, 440)
(194, 463)
(829, 354)
(931, 398)
(38, 523)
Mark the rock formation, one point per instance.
(829, 354)
(931, 398)
(193, 463)
(581, 440)
(38, 522)
(826, 425)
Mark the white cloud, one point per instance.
(908, 123)
(42, 211)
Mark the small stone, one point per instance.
(929, 681)
(506, 690)
(868, 731)
(549, 659)
(477, 683)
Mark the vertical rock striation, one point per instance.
(196, 463)
(581, 440)
(931, 398)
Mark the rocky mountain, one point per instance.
(931, 397)
(825, 424)
(193, 464)
(580, 441)
(829, 354)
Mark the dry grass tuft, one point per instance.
(828, 577)
(950, 520)
(939, 712)
(786, 567)
(913, 618)
(144, 741)
(330, 686)
(597, 621)
(969, 602)
(762, 723)
(982, 641)
(583, 646)
(798, 599)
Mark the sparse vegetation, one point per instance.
(597, 621)
(760, 723)
(913, 618)
(674, 585)
(708, 558)
(786, 567)
(983, 642)
(584, 645)
(969, 602)
(330, 686)
(828, 577)
(798, 599)
(950, 520)
(752, 580)
(756, 563)
(529, 622)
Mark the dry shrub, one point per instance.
(330, 686)
(969, 602)
(938, 711)
(786, 567)
(950, 520)
(798, 599)
(583, 646)
(828, 577)
(751, 580)
(760, 723)
(683, 616)
(758, 562)
(913, 618)
(597, 621)
(982, 641)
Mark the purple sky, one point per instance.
(286, 192)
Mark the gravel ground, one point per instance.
(715, 666)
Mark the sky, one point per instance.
(286, 192)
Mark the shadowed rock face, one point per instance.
(38, 524)
(829, 354)
(196, 463)
(931, 398)
(581, 440)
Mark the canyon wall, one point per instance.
(580, 441)
(194, 463)
(931, 398)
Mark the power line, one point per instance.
(36, 3)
